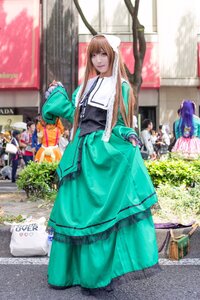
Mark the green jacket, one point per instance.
(196, 122)
(59, 105)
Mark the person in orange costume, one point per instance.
(49, 135)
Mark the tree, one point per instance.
(139, 44)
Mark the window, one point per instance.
(148, 112)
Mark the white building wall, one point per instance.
(176, 26)
(112, 16)
(19, 98)
(92, 13)
(177, 29)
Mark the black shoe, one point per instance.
(57, 287)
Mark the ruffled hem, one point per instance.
(54, 155)
(187, 148)
(119, 280)
(131, 251)
(88, 239)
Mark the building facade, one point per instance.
(43, 40)
(38, 43)
(172, 63)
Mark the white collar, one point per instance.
(101, 95)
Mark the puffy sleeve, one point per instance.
(58, 105)
(196, 122)
(120, 128)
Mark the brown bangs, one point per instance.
(98, 44)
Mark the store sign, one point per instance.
(150, 70)
(19, 44)
(7, 111)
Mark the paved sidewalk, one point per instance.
(6, 186)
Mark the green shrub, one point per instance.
(174, 171)
(178, 203)
(38, 180)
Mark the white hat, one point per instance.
(114, 41)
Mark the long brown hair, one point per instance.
(96, 45)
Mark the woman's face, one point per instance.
(32, 128)
(18, 136)
(100, 62)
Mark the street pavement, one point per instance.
(6, 186)
(26, 278)
(29, 282)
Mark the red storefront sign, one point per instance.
(19, 44)
(150, 71)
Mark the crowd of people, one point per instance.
(154, 143)
(183, 142)
(39, 142)
(47, 142)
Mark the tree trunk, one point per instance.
(139, 45)
(139, 49)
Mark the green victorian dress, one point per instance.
(102, 222)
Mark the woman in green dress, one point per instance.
(103, 228)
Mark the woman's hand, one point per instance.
(54, 82)
(133, 142)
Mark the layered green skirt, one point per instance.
(102, 222)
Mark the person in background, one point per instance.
(101, 218)
(154, 136)
(166, 135)
(26, 141)
(187, 132)
(49, 135)
(15, 158)
(178, 115)
(2, 149)
(173, 139)
(35, 143)
(163, 140)
(5, 138)
(64, 140)
(146, 139)
(159, 134)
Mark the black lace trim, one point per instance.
(98, 224)
(117, 281)
(89, 239)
